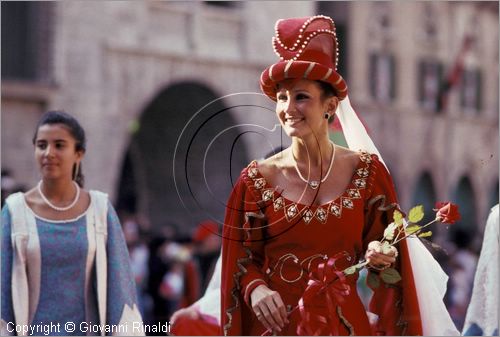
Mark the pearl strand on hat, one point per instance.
(301, 30)
(307, 22)
(277, 39)
(304, 44)
(300, 51)
(56, 208)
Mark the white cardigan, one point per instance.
(26, 266)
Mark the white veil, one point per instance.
(430, 279)
(209, 303)
(354, 132)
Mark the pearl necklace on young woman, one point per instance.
(59, 209)
(314, 183)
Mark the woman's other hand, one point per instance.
(269, 308)
(380, 257)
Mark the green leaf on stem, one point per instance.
(390, 276)
(398, 217)
(425, 234)
(416, 214)
(373, 280)
(412, 229)
(350, 270)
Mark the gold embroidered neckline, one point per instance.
(320, 212)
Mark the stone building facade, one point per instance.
(118, 66)
(139, 74)
(398, 60)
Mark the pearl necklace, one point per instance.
(314, 183)
(59, 209)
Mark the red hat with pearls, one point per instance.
(307, 48)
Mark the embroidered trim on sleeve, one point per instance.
(382, 207)
(251, 283)
(236, 289)
(346, 323)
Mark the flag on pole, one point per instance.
(454, 74)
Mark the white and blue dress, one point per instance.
(76, 270)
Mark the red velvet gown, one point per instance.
(270, 239)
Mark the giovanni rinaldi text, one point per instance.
(85, 327)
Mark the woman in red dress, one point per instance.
(295, 220)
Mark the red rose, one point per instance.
(447, 212)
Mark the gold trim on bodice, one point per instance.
(291, 210)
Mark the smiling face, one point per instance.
(301, 107)
(55, 151)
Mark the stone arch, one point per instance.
(147, 185)
(425, 194)
(465, 230)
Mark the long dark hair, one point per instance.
(74, 128)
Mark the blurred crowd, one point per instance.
(172, 269)
(459, 260)
(10, 185)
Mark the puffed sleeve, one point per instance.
(242, 255)
(395, 304)
(7, 309)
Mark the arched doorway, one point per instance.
(463, 258)
(463, 232)
(127, 188)
(425, 195)
(209, 149)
